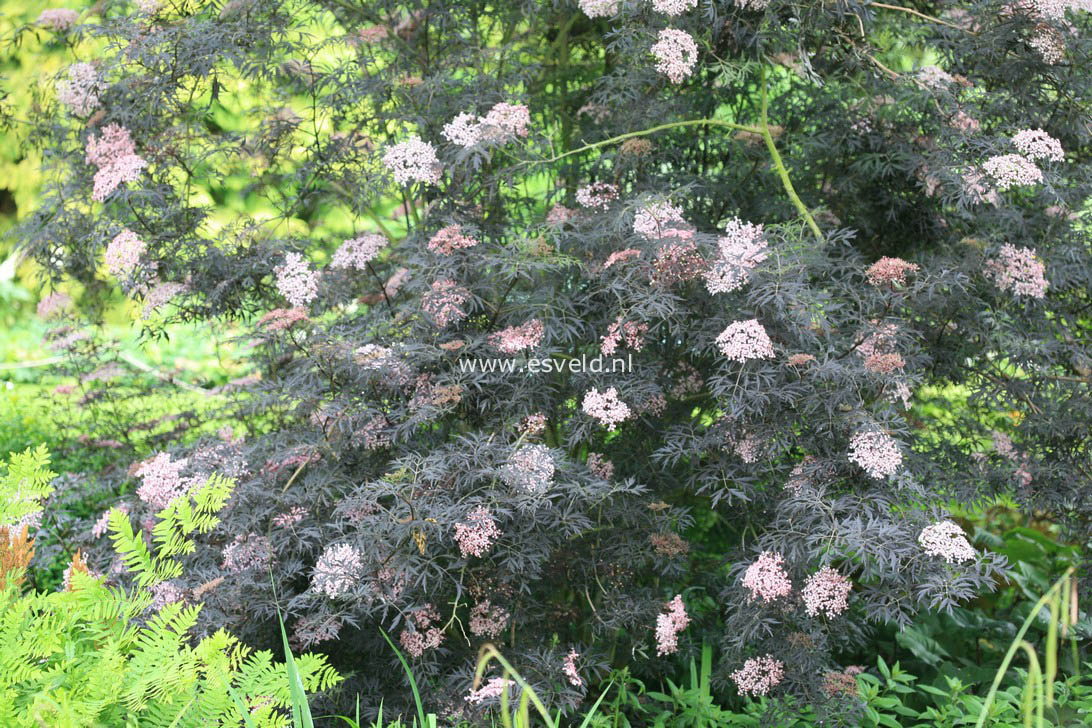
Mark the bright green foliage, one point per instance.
(177, 522)
(97, 656)
(24, 485)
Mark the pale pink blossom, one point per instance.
(946, 539)
(749, 448)
(53, 304)
(741, 250)
(296, 281)
(413, 160)
(58, 19)
(444, 302)
(337, 571)
(676, 263)
(1037, 144)
(464, 130)
(934, 77)
(978, 190)
(115, 155)
(534, 424)
(161, 480)
(1018, 271)
(99, 529)
(506, 120)
(288, 518)
(1012, 170)
(600, 466)
(606, 407)
(599, 8)
(597, 195)
(477, 533)
(158, 294)
(421, 632)
(80, 91)
(632, 332)
(676, 54)
(559, 215)
(358, 252)
(876, 452)
(449, 239)
(759, 675)
(490, 691)
(745, 340)
(531, 469)
(753, 4)
(281, 319)
(123, 253)
(620, 255)
(488, 620)
(1049, 44)
(569, 668)
(658, 220)
(766, 578)
(247, 551)
(827, 592)
(669, 625)
(890, 271)
(673, 7)
(515, 339)
(164, 593)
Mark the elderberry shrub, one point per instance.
(837, 246)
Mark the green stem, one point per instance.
(652, 130)
(779, 165)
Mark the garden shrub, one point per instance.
(797, 221)
(95, 655)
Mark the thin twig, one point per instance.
(923, 16)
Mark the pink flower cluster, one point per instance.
(281, 319)
(161, 480)
(337, 571)
(620, 255)
(741, 249)
(676, 54)
(531, 468)
(413, 160)
(946, 539)
(599, 8)
(246, 552)
(1037, 144)
(753, 4)
(876, 452)
(296, 281)
(606, 407)
(659, 220)
(115, 156)
(58, 19)
(99, 529)
(288, 518)
(600, 466)
(676, 263)
(759, 675)
(558, 216)
(668, 627)
(502, 123)
(827, 592)
(477, 533)
(744, 340)
(421, 633)
(164, 593)
(597, 195)
(673, 7)
(80, 91)
(569, 668)
(123, 253)
(1018, 271)
(632, 332)
(1012, 170)
(518, 338)
(534, 424)
(749, 448)
(444, 302)
(490, 691)
(53, 304)
(766, 578)
(159, 294)
(449, 239)
(358, 252)
(488, 620)
(890, 271)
